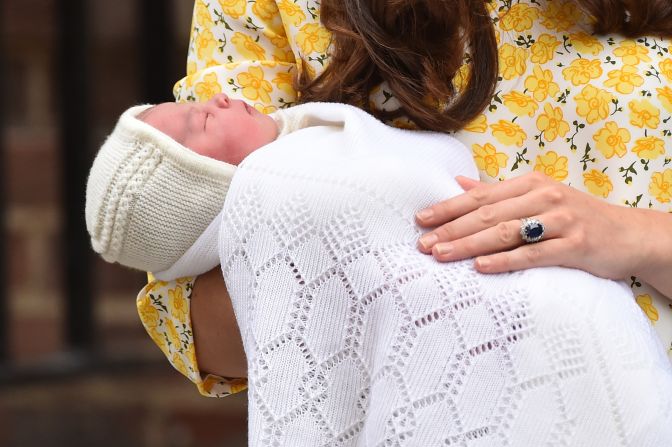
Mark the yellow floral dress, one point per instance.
(592, 112)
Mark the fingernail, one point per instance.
(444, 249)
(428, 240)
(483, 263)
(425, 214)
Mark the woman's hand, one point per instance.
(580, 231)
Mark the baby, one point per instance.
(317, 244)
(162, 176)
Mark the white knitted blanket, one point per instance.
(355, 338)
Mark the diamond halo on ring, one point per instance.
(531, 230)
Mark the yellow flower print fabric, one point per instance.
(591, 111)
(595, 112)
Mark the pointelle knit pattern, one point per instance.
(354, 338)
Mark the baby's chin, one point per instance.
(271, 125)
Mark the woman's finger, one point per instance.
(467, 183)
(534, 202)
(504, 236)
(483, 194)
(549, 252)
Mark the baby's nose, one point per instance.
(220, 100)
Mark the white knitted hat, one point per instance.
(148, 198)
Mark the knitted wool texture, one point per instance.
(355, 338)
(149, 197)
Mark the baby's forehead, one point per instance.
(168, 117)
(161, 111)
(142, 115)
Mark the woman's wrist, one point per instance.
(655, 243)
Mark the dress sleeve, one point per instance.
(240, 48)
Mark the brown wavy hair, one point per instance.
(418, 46)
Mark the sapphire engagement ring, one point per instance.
(531, 230)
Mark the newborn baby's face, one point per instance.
(224, 129)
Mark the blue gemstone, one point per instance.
(534, 230)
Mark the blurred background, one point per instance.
(76, 367)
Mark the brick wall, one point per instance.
(143, 409)
(124, 408)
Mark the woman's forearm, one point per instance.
(219, 347)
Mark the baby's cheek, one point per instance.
(210, 148)
(200, 151)
(238, 155)
(225, 155)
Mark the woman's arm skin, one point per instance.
(219, 347)
(581, 231)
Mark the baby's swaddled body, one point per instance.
(354, 337)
